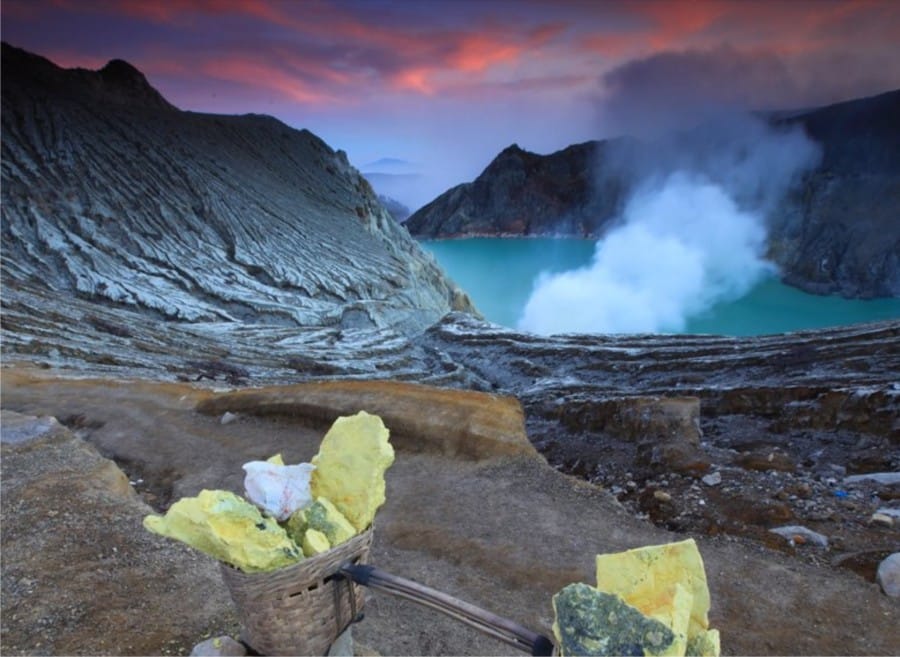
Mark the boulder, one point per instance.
(888, 575)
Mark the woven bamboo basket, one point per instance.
(301, 609)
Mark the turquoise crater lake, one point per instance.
(499, 274)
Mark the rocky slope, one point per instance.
(837, 231)
(522, 193)
(112, 194)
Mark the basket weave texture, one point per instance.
(301, 609)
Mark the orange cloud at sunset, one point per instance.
(476, 52)
(258, 74)
(450, 58)
(414, 79)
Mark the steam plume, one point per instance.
(691, 235)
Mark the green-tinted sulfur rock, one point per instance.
(322, 516)
(590, 622)
(704, 644)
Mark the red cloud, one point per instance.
(316, 52)
(252, 73)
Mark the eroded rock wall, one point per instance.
(111, 194)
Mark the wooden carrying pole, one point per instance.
(500, 628)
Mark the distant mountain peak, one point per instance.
(512, 148)
(118, 70)
(129, 83)
(118, 82)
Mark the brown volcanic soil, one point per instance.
(503, 532)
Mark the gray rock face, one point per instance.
(112, 194)
(836, 232)
(522, 193)
(839, 231)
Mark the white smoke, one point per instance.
(683, 246)
(691, 235)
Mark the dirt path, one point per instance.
(502, 533)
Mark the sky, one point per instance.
(445, 85)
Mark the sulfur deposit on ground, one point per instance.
(500, 529)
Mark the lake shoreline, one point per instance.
(500, 273)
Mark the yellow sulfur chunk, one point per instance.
(229, 528)
(705, 644)
(666, 582)
(315, 542)
(275, 460)
(677, 618)
(350, 467)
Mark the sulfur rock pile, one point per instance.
(291, 511)
(652, 600)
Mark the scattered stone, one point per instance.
(766, 460)
(882, 519)
(662, 496)
(891, 513)
(884, 478)
(713, 479)
(802, 490)
(228, 417)
(220, 646)
(800, 535)
(888, 575)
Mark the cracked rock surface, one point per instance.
(113, 195)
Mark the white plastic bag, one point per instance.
(278, 490)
